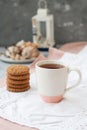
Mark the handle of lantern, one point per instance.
(44, 2)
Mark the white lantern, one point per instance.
(43, 26)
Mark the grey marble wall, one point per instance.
(70, 20)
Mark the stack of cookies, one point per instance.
(18, 78)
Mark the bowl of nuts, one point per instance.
(21, 52)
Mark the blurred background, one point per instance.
(70, 20)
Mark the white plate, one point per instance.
(8, 60)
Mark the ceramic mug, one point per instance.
(52, 78)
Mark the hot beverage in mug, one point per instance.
(52, 66)
(52, 78)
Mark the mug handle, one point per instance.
(79, 78)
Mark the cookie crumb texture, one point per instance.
(18, 90)
(18, 77)
(18, 70)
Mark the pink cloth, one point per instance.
(54, 54)
(7, 125)
(32, 66)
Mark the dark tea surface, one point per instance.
(52, 66)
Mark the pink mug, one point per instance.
(52, 77)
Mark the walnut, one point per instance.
(26, 53)
(7, 53)
(20, 43)
(13, 50)
(35, 53)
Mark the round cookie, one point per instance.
(19, 77)
(17, 86)
(18, 70)
(18, 90)
(9, 81)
